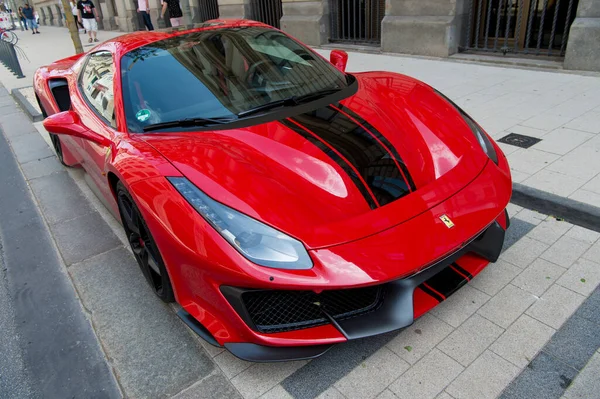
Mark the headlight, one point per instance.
(256, 241)
(482, 137)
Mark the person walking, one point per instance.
(175, 13)
(143, 9)
(22, 19)
(75, 16)
(88, 16)
(29, 16)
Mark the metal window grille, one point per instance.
(536, 27)
(208, 9)
(357, 21)
(266, 11)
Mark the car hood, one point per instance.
(339, 173)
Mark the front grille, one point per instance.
(279, 311)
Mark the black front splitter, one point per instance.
(396, 312)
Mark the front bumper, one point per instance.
(397, 310)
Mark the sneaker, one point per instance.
(96, 40)
(90, 40)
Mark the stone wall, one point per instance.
(583, 46)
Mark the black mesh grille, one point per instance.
(278, 311)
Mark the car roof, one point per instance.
(131, 41)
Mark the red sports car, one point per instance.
(285, 204)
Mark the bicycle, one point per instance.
(8, 36)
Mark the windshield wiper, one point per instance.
(190, 122)
(289, 101)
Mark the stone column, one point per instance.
(42, 11)
(127, 15)
(234, 9)
(58, 18)
(98, 6)
(155, 10)
(108, 15)
(423, 27)
(583, 45)
(49, 18)
(307, 20)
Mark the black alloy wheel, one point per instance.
(57, 148)
(143, 246)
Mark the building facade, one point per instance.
(565, 30)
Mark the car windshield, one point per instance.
(219, 74)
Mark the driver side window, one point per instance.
(96, 82)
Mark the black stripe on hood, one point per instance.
(365, 148)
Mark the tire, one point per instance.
(58, 148)
(143, 246)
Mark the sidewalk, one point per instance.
(524, 328)
(562, 109)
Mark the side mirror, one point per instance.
(339, 59)
(68, 123)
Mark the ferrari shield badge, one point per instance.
(449, 224)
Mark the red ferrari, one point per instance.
(285, 204)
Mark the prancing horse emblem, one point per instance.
(449, 224)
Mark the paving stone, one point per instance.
(530, 216)
(506, 307)
(583, 277)
(523, 252)
(555, 306)
(262, 377)
(549, 230)
(589, 309)
(538, 277)
(16, 125)
(518, 229)
(372, 376)
(153, 352)
(460, 306)
(582, 234)
(486, 377)
(468, 341)
(565, 251)
(587, 383)
(215, 386)
(333, 393)
(562, 140)
(530, 160)
(513, 209)
(444, 395)
(544, 378)
(522, 340)
(211, 350)
(59, 197)
(554, 182)
(593, 253)
(84, 236)
(231, 365)
(278, 392)
(428, 377)
(30, 147)
(575, 342)
(495, 277)
(420, 338)
(42, 167)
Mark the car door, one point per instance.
(95, 106)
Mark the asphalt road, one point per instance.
(47, 346)
(14, 380)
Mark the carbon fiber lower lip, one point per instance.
(396, 312)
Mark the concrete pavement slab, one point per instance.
(589, 309)
(42, 167)
(575, 342)
(30, 147)
(555, 306)
(215, 386)
(59, 197)
(83, 237)
(165, 357)
(544, 378)
(587, 383)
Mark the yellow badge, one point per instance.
(449, 224)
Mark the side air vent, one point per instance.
(60, 92)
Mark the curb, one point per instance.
(31, 112)
(575, 212)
